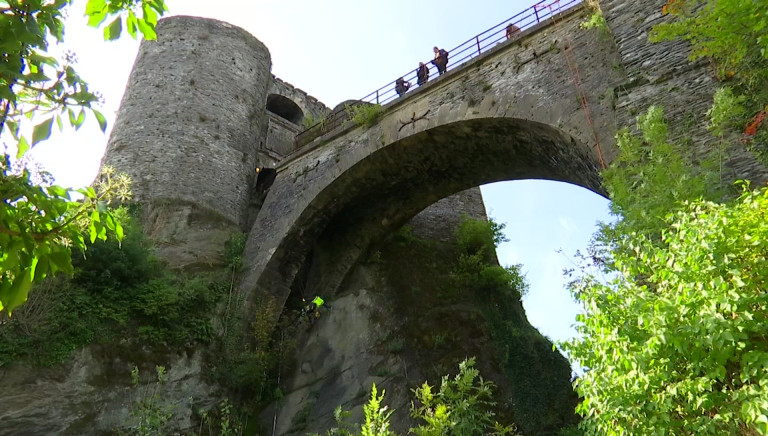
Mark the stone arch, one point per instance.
(339, 210)
(285, 108)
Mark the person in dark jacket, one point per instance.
(441, 60)
(401, 86)
(422, 74)
(512, 31)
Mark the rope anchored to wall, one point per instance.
(574, 70)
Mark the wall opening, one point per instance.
(284, 108)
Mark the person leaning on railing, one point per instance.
(401, 86)
(441, 60)
(512, 30)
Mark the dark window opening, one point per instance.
(284, 108)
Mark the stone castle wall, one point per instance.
(661, 74)
(189, 130)
(187, 134)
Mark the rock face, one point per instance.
(398, 321)
(93, 394)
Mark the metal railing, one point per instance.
(458, 56)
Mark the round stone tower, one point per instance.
(187, 133)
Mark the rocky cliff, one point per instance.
(399, 319)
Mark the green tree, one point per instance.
(38, 225)
(675, 343)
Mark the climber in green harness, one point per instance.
(311, 311)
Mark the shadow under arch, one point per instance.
(380, 192)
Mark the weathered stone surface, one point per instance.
(308, 104)
(496, 118)
(191, 134)
(440, 220)
(93, 394)
(394, 322)
(188, 131)
(514, 112)
(661, 74)
(280, 136)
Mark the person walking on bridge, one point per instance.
(441, 60)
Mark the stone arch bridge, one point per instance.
(513, 113)
(202, 110)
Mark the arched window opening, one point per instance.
(284, 108)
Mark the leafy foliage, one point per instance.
(650, 177)
(364, 114)
(310, 121)
(732, 34)
(675, 343)
(477, 268)
(39, 224)
(120, 292)
(247, 360)
(226, 421)
(150, 415)
(34, 83)
(462, 407)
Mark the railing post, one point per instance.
(477, 38)
(377, 96)
(536, 11)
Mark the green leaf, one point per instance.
(72, 118)
(95, 20)
(13, 127)
(118, 231)
(92, 232)
(15, 295)
(109, 220)
(147, 30)
(114, 29)
(102, 121)
(130, 24)
(42, 268)
(150, 16)
(80, 119)
(42, 131)
(22, 146)
(102, 207)
(58, 191)
(61, 260)
(95, 7)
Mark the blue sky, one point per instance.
(337, 50)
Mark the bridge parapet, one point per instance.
(523, 24)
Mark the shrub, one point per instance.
(364, 114)
(675, 343)
(461, 407)
(118, 292)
